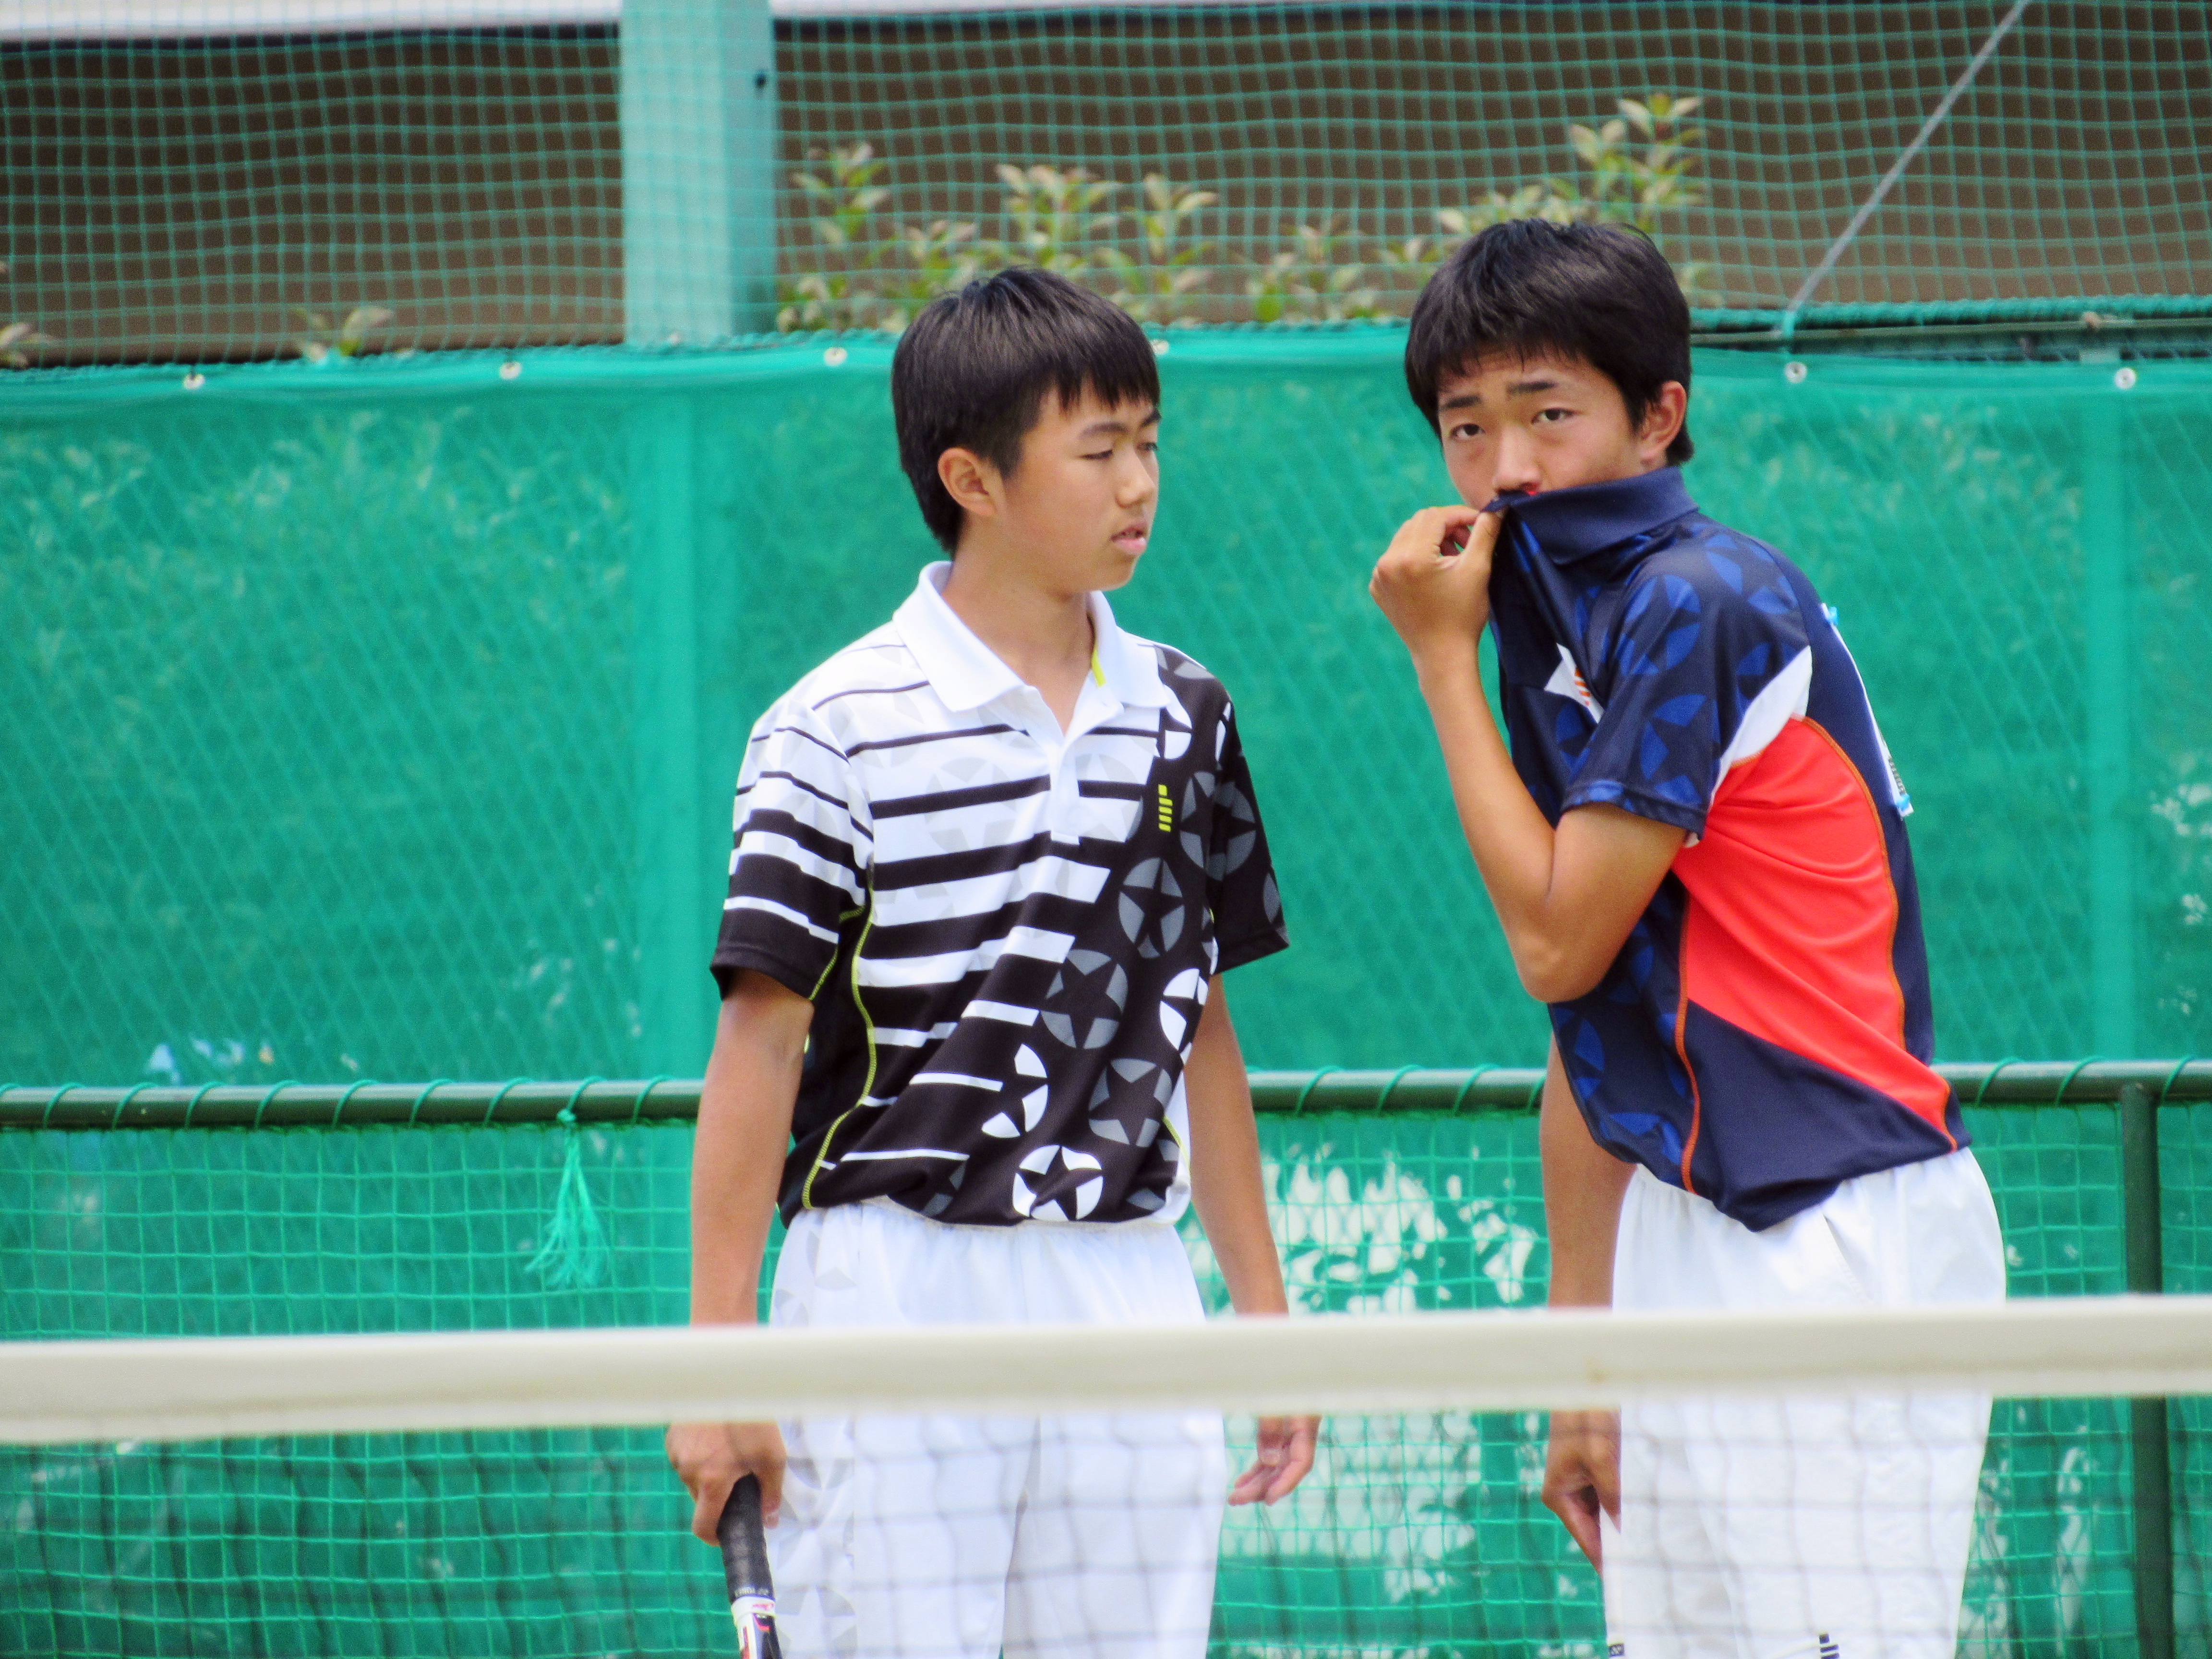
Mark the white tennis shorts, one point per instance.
(1831, 1528)
(1078, 1537)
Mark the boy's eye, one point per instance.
(1465, 430)
(1554, 416)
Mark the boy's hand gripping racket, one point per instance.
(744, 1559)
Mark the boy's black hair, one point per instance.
(1600, 293)
(973, 371)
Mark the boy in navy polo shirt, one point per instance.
(990, 862)
(1695, 844)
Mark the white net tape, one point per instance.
(1830, 1483)
(182, 1390)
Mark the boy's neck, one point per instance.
(1043, 635)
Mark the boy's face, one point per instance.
(1079, 509)
(1547, 422)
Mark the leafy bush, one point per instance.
(1626, 185)
(866, 271)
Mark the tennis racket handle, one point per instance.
(745, 1544)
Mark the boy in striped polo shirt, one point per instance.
(990, 862)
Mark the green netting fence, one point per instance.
(251, 178)
(382, 720)
(237, 1210)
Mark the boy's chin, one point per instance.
(1113, 569)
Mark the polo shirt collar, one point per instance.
(966, 673)
(1569, 526)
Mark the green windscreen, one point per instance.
(1417, 1534)
(382, 720)
(255, 178)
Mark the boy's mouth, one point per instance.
(1131, 540)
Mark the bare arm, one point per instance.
(744, 1129)
(737, 1164)
(1583, 1186)
(1567, 898)
(1230, 1196)
(1225, 1182)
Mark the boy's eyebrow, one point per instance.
(1514, 389)
(1100, 428)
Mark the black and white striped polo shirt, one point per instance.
(1007, 933)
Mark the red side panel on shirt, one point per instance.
(1792, 917)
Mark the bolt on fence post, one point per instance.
(2146, 1419)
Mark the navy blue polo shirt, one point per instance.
(1766, 1032)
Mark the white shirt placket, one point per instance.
(1094, 707)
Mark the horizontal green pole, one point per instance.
(2123, 330)
(755, 359)
(2111, 310)
(667, 1100)
(320, 1105)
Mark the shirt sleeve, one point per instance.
(1240, 875)
(800, 851)
(1699, 639)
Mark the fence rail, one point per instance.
(658, 1100)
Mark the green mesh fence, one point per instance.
(1417, 1534)
(382, 720)
(229, 178)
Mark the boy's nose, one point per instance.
(1517, 464)
(1138, 485)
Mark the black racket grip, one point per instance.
(745, 1542)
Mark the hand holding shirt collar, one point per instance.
(1568, 526)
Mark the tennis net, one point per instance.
(382, 1210)
(1419, 1531)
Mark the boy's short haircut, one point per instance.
(973, 370)
(1600, 293)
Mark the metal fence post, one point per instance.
(2146, 1419)
(698, 125)
(675, 1015)
(2107, 685)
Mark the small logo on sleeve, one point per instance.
(1567, 681)
(1166, 809)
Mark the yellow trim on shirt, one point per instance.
(806, 1187)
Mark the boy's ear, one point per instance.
(1663, 417)
(972, 481)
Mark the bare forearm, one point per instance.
(1234, 1216)
(1566, 898)
(1583, 1186)
(1226, 1184)
(736, 1159)
(1226, 1180)
(1512, 842)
